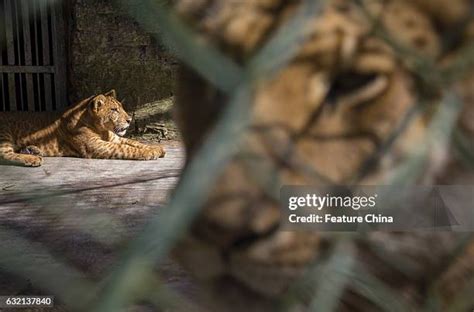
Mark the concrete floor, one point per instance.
(81, 211)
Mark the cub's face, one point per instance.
(332, 106)
(109, 114)
(319, 120)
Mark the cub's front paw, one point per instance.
(160, 150)
(32, 161)
(154, 152)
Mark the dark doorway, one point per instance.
(33, 57)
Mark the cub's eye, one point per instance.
(115, 110)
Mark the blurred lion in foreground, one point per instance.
(332, 107)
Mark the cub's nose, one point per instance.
(129, 119)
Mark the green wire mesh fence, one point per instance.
(133, 278)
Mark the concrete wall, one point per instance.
(107, 49)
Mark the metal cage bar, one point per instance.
(33, 58)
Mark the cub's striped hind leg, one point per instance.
(8, 156)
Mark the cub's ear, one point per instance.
(97, 102)
(111, 93)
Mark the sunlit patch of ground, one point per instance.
(82, 212)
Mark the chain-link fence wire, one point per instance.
(133, 279)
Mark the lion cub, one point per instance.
(94, 128)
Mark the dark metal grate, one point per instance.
(32, 62)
